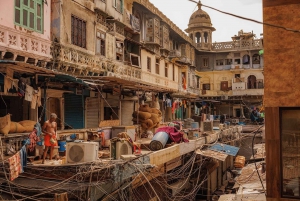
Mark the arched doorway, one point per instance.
(252, 82)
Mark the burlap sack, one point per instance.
(154, 118)
(15, 127)
(141, 115)
(28, 125)
(145, 108)
(156, 111)
(5, 124)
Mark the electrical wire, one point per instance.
(248, 19)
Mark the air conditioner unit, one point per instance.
(235, 121)
(120, 148)
(82, 152)
(207, 126)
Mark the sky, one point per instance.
(179, 11)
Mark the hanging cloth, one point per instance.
(28, 93)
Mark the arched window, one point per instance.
(252, 82)
(246, 59)
(198, 37)
(205, 37)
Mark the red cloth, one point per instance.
(33, 139)
(173, 133)
(14, 166)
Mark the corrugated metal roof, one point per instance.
(230, 150)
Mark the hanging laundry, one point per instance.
(169, 103)
(28, 93)
(34, 99)
(7, 84)
(14, 166)
(39, 97)
(23, 158)
(33, 138)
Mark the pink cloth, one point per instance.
(173, 133)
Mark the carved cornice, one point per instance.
(157, 12)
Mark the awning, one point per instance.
(219, 151)
(69, 78)
(224, 148)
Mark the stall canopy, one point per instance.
(219, 151)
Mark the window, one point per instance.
(149, 64)
(29, 14)
(118, 4)
(119, 50)
(157, 66)
(135, 60)
(220, 62)
(198, 82)
(100, 43)
(78, 32)
(228, 61)
(206, 86)
(290, 152)
(166, 69)
(173, 72)
(246, 59)
(237, 75)
(205, 62)
(256, 59)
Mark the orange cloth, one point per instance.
(47, 142)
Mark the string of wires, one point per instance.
(249, 19)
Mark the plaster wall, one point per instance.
(7, 18)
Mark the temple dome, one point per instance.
(200, 18)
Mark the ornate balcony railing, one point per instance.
(24, 44)
(238, 45)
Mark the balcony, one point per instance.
(252, 92)
(238, 45)
(175, 54)
(22, 43)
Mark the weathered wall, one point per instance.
(281, 64)
(7, 16)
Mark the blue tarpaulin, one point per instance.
(226, 149)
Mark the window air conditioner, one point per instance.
(82, 152)
(120, 148)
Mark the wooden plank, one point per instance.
(109, 123)
(162, 156)
(170, 165)
(272, 156)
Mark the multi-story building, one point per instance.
(25, 42)
(231, 72)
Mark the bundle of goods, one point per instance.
(8, 126)
(239, 162)
(148, 117)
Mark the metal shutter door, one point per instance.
(74, 115)
(92, 112)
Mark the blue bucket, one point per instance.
(40, 143)
(62, 145)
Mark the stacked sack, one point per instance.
(239, 162)
(148, 117)
(8, 126)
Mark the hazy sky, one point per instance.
(179, 11)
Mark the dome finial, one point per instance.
(199, 5)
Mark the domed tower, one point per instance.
(200, 29)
